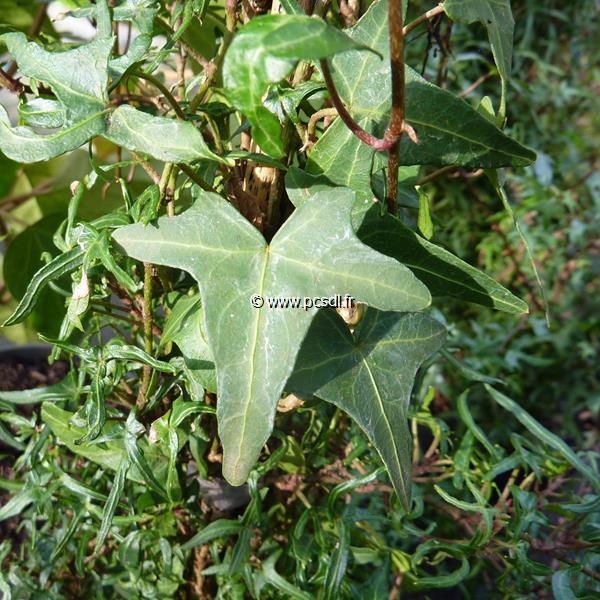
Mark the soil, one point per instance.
(25, 374)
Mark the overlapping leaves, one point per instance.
(315, 253)
(450, 131)
(79, 78)
(264, 52)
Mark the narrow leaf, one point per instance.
(64, 263)
(217, 529)
(111, 504)
(539, 431)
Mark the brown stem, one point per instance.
(212, 68)
(9, 83)
(426, 16)
(395, 127)
(150, 170)
(351, 124)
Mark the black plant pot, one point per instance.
(26, 366)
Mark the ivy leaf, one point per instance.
(78, 77)
(441, 271)
(42, 112)
(497, 18)
(184, 327)
(165, 139)
(264, 52)
(315, 253)
(369, 375)
(450, 131)
(24, 145)
(140, 13)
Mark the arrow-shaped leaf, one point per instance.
(450, 131)
(369, 374)
(315, 253)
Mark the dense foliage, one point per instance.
(193, 156)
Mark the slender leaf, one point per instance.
(63, 263)
(540, 432)
(217, 529)
(111, 504)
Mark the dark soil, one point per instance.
(25, 374)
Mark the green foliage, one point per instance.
(188, 211)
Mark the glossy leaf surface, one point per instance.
(263, 52)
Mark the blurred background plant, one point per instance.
(505, 501)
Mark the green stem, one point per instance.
(147, 319)
(165, 92)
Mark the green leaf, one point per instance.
(138, 458)
(63, 263)
(465, 414)
(369, 375)
(141, 14)
(63, 390)
(17, 504)
(126, 352)
(496, 16)
(41, 112)
(111, 504)
(279, 582)
(111, 451)
(78, 77)
(549, 438)
(108, 455)
(338, 563)
(264, 52)
(217, 529)
(95, 409)
(442, 272)
(450, 131)
(424, 222)
(24, 145)
(185, 329)
(315, 253)
(561, 585)
(165, 139)
(23, 262)
(69, 533)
